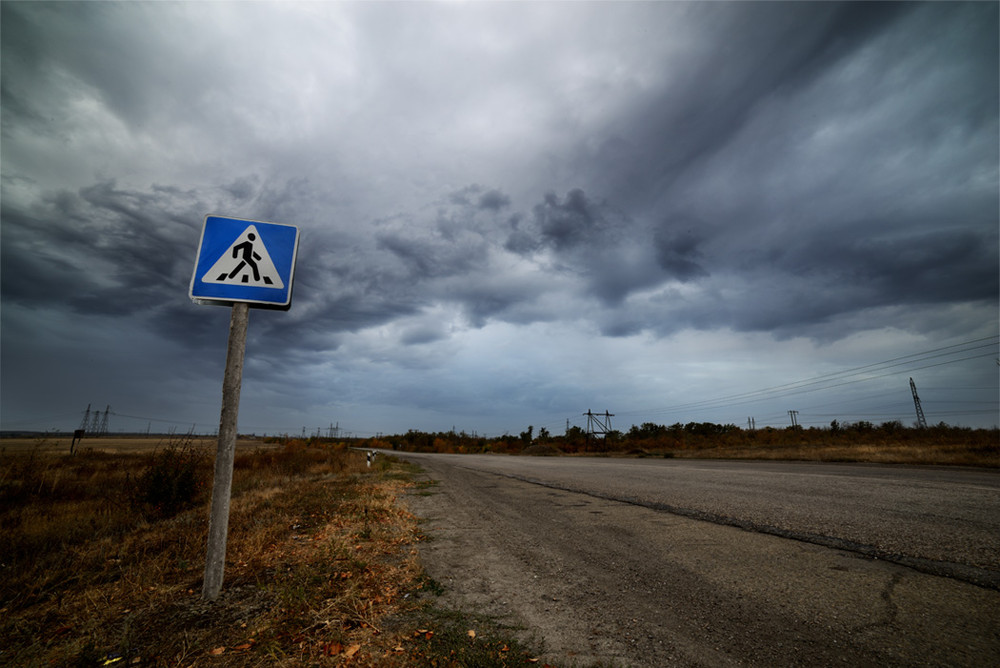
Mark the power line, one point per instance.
(826, 381)
(762, 395)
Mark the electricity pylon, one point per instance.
(921, 420)
(85, 425)
(595, 425)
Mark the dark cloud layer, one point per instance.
(461, 176)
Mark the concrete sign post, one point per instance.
(240, 263)
(222, 484)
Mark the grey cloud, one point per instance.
(612, 254)
(314, 323)
(114, 251)
(924, 268)
(822, 288)
(431, 257)
(452, 237)
(494, 200)
(49, 40)
(678, 254)
(124, 252)
(717, 91)
(243, 188)
(798, 169)
(477, 196)
(422, 334)
(486, 295)
(520, 241)
(568, 223)
(200, 330)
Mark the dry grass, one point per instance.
(321, 567)
(949, 454)
(122, 444)
(88, 572)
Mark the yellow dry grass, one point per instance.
(949, 454)
(319, 552)
(123, 444)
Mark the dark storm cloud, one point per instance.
(483, 297)
(817, 170)
(846, 251)
(926, 268)
(763, 49)
(448, 254)
(243, 188)
(677, 249)
(420, 335)
(624, 240)
(648, 160)
(801, 288)
(612, 253)
(102, 249)
(480, 197)
(494, 200)
(126, 252)
(138, 59)
(568, 223)
(431, 257)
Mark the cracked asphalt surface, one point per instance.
(684, 563)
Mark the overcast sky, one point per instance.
(510, 213)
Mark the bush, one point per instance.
(173, 481)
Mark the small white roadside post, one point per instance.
(240, 263)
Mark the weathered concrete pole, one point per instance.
(218, 521)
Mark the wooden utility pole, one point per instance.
(218, 522)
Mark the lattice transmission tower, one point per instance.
(102, 430)
(921, 420)
(85, 424)
(596, 425)
(95, 423)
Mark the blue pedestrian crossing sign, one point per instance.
(245, 261)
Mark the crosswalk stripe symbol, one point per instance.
(245, 262)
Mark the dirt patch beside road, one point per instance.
(600, 581)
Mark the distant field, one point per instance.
(120, 445)
(949, 454)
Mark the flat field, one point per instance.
(122, 444)
(103, 557)
(979, 453)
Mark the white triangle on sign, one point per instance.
(245, 262)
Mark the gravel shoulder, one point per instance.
(603, 581)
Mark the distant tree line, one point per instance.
(663, 439)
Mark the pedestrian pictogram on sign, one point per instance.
(245, 261)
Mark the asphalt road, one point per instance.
(645, 562)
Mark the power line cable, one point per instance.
(797, 387)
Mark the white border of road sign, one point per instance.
(273, 245)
